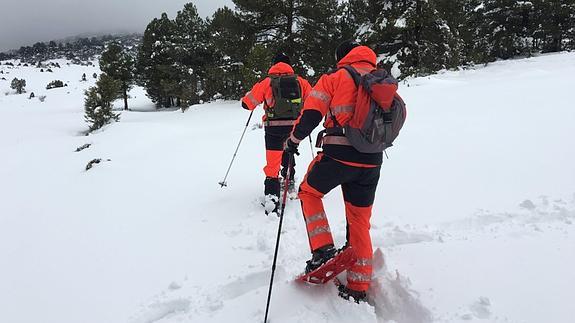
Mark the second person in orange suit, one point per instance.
(282, 94)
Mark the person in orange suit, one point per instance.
(282, 94)
(339, 164)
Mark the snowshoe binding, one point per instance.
(326, 263)
(292, 188)
(347, 294)
(271, 201)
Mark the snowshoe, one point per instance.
(326, 264)
(292, 188)
(272, 192)
(271, 204)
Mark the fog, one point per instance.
(25, 22)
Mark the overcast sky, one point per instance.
(24, 22)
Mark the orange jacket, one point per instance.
(336, 94)
(262, 91)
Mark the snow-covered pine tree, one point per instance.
(19, 85)
(274, 22)
(320, 34)
(231, 41)
(117, 63)
(555, 24)
(413, 38)
(98, 102)
(193, 54)
(500, 30)
(156, 57)
(354, 18)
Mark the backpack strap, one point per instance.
(354, 74)
(356, 79)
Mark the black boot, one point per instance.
(345, 293)
(272, 192)
(319, 257)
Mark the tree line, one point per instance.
(76, 50)
(189, 59)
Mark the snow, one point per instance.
(401, 23)
(473, 220)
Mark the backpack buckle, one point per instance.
(319, 139)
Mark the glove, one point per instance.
(291, 147)
(245, 106)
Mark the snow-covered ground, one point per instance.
(474, 213)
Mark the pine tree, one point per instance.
(306, 30)
(413, 37)
(98, 107)
(320, 34)
(500, 30)
(231, 41)
(156, 57)
(19, 85)
(257, 64)
(555, 24)
(117, 63)
(193, 55)
(275, 22)
(355, 20)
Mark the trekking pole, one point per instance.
(224, 183)
(311, 147)
(286, 186)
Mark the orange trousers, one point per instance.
(358, 186)
(275, 138)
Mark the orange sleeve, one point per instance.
(257, 94)
(305, 87)
(314, 109)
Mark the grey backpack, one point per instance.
(379, 113)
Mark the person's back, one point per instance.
(283, 85)
(334, 97)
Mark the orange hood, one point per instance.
(280, 69)
(359, 54)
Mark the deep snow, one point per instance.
(474, 212)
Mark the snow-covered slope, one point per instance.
(474, 214)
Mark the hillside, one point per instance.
(474, 213)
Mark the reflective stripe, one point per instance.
(319, 230)
(336, 140)
(342, 109)
(276, 123)
(252, 98)
(363, 262)
(322, 96)
(294, 139)
(358, 277)
(315, 218)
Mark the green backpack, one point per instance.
(287, 96)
